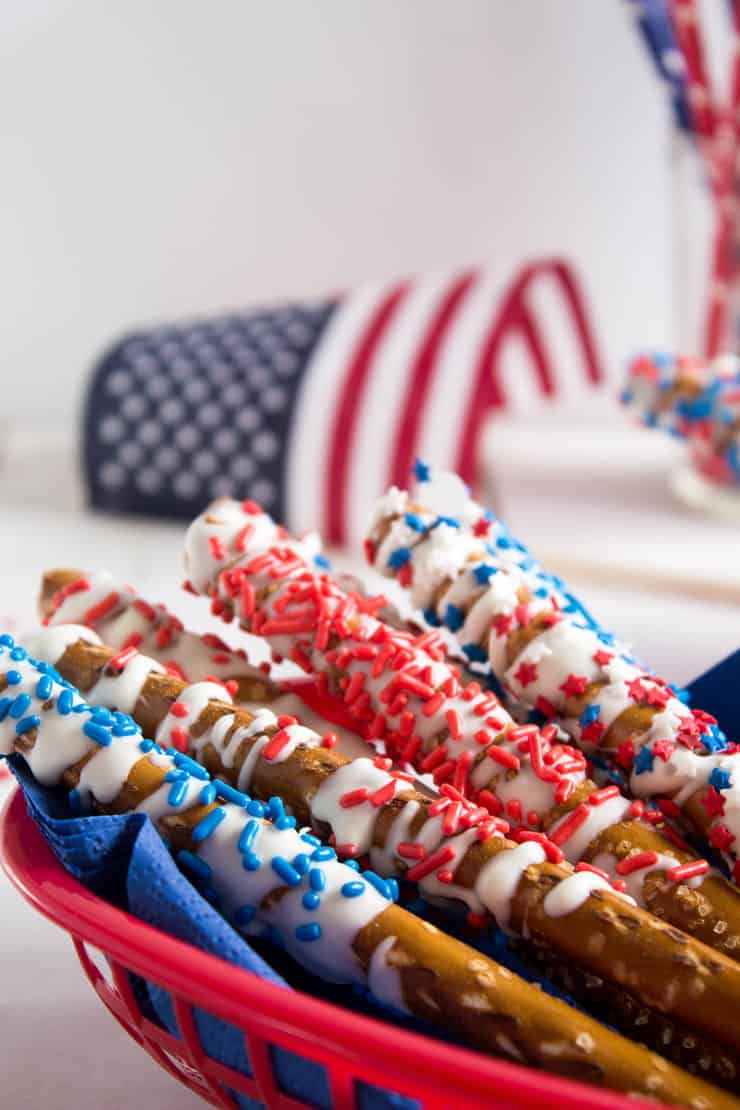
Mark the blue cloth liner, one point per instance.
(123, 859)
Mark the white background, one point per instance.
(165, 159)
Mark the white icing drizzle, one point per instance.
(51, 643)
(568, 896)
(353, 824)
(499, 878)
(122, 690)
(383, 979)
(634, 881)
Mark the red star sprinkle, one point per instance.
(593, 732)
(625, 754)
(574, 684)
(527, 673)
(602, 657)
(721, 838)
(714, 803)
(664, 749)
(481, 527)
(657, 697)
(502, 623)
(635, 689)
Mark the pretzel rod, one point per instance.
(415, 705)
(548, 659)
(369, 809)
(263, 872)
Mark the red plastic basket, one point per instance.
(350, 1047)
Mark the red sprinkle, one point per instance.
(273, 747)
(408, 850)
(179, 738)
(354, 797)
(636, 862)
(573, 821)
(636, 809)
(491, 802)
(594, 870)
(383, 794)
(217, 548)
(503, 757)
(600, 796)
(124, 656)
(329, 740)
(179, 709)
(97, 612)
(688, 870)
(445, 854)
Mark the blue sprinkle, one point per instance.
(75, 803)
(251, 862)
(194, 864)
(430, 616)
(309, 839)
(311, 900)
(191, 767)
(317, 879)
(285, 822)
(207, 794)
(483, 573)
(245, 915)
(102, 716)
(20, 705)
(380, 884)
(351, 863)
(528, 563)
(681, 694)
(422, 471)
(399, 557)
(27, 724)
(644, 761)
(126, 730)
(229, 794)
(720, 780)
(65, 702)
(205, 827)
(353, 890)
(44, 687)
(589, 715)
(7, 640)
(81, 707)
(714, 740)
(13, 678)
(275, 808)
(18, 654)
(301, 863)
(47, 668)
(322, 561)
(324, 853)
(146, 745)
(256, 809)
(176, 776)
(392, 888)
(5, 704)
(308, 932)
(543, 591)
(454, 617)
(475, 653)
(504, 542)
(178, 792)
(450, 521)
(285, 871)
(414, 521)
(97, 733)
(248, 835)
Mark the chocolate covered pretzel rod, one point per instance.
(549, 658)
(413, 702)
(329, 917)
(453, 850)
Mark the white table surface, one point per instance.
(59, 1048)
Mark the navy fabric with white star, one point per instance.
(181, 414)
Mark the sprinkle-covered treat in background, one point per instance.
(266, 874)
(549, 657)
(693, 399)
(404, 695)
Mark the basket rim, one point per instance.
(235, 994)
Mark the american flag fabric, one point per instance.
(314, 409)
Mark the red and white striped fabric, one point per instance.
(314, 410)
